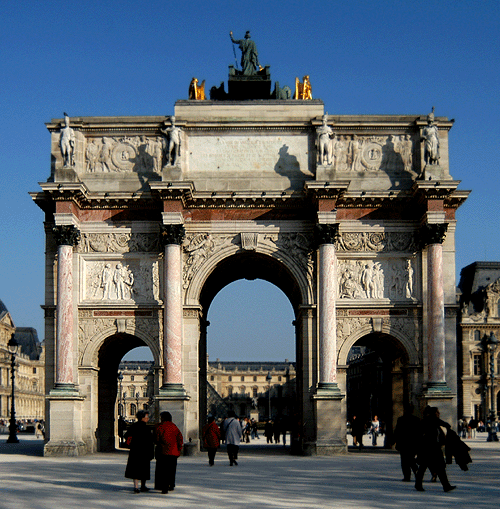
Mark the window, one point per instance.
(477, 364)
(242, 390)
(133, 409)
(279, 379)
(212, 378)
(254, 392)
(242, 378)
(477, 335)
(132, 378)
(254, 378)
(230, 378)
(34, 371)
(124, 395)
(144, 394)
(229, 391)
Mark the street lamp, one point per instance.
(13, 347)
(120, 406)
(268, 379)
(491, 344)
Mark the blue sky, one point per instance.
(111, 58)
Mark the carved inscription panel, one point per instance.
(283, 155)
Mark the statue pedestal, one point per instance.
(255, 86)
(331, 424)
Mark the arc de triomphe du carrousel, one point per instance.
(148, 218)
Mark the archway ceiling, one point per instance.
(384, 345)
(250, 266)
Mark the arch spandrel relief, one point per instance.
(379, 242)
(121, 281)
(202, 251)
(406, 329)
(94, 330)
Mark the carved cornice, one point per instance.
(172, 234)
(66, 235)
(433, 233)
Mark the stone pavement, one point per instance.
(266, 478)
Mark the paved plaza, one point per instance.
(266, 478)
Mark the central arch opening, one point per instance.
(248, 353)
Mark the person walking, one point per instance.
(169, 444)
(405, 435)
(357, 431)
(140, 441)
(375, 429)
(268, 431)
(232, 428)
(211, 439)
(433, 433)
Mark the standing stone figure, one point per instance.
(106, 280)
(173, 135)
(409, 280)
(431, 137)
(67, 143)
(356, 153)
(249, 56)
(325, 143)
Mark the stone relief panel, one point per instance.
(379, 242)
(383, 279)
(392, 153)
(120, 281)
(137, 154)
(118, 242)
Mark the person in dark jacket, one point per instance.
(211, 439)
(169, 445)
(406, 434)
(357, 431)
(433, 433)
(141, 451)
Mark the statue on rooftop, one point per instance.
(197, 92)
(430, 135)
(67, 143)
(303, 90)
(249, 56)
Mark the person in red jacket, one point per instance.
(211, 439)
(169, 444)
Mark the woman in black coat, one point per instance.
(141, 451)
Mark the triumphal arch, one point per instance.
(148, 218)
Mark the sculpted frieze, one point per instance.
(393, 153)
(379, 242)
(138, 154)
(385, 279)
(116, 281)
(118, 242)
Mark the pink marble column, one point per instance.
(64, 316)
(172, 325)
(436, 334)
(66, 236)
(327, 314)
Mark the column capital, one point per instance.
(171, 234)
(433, 233)
(66, 235)
(326, 233)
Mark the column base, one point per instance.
(68, 448)
(437, 389)
(328, 390)
(65, 390)
(174, 391)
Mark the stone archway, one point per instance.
(110, 353)
(379, 380)
(248, 265)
